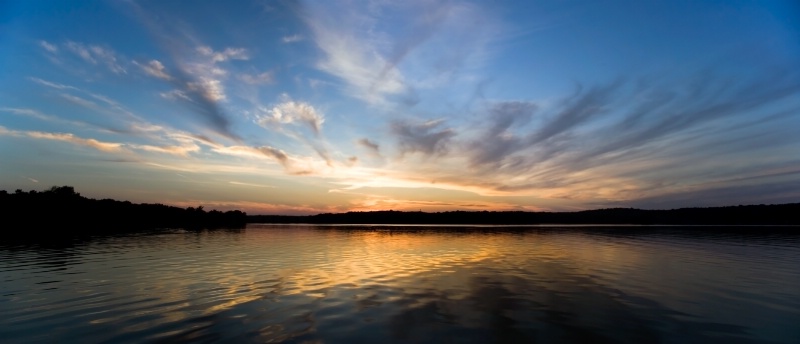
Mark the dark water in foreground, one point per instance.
(274, 283)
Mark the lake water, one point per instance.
(401, 284)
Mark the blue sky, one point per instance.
(279, 107)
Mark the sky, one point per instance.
(305, 107)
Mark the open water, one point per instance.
(401, 284)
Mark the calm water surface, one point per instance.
(349, 284)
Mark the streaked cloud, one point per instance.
(182, 150)
(612, 142)
(289, 111)
(252, 184)
(186, 145)
(109, 58)
(79, 101)
(109, 106)
(372, 147)
(155, 69)
(380, 64)
(175, 95)
(422, 137)
(45, 117)
(292, 38)
(501, 137)
(435, 105)
(224, 55)
(200, 81)
(95, 54)
(52, 84)
(65, 137)
(52, 48)
(293, 165)
(209, 88)
(352, 57)
(257, 79)
(81, 50)
(317, 83)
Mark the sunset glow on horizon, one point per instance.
(282, 107)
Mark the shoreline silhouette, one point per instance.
(776, 214)
(62, 210)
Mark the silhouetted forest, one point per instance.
(61, 209)
(780, 214)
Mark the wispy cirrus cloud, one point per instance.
(183, 149)
(208, 88)
(95, 54)
(109, 106)
(499, 139)
(52, 48)
(353, 62)
(289, 111)
(292, 38)
(380, 64)
(65, 137)
(257, 79)
(294, 165)
(155, 69)
(81, 51)
(251, 184)
(762, 191)
(80, 101)
(179, 150)
(200, 83)
(45, 117)
(158, 141)
(372, 147)
(161, 139)
(109, 58)
(617, 142)
(223, 55)
(53, 84)
(614, 144)
(425, 137)
(176, 95)
(200, 71)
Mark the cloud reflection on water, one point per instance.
(407, 284)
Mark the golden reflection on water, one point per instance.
(282, 282)
(409, 259)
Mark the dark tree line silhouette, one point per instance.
(61, 209)
(780, 214)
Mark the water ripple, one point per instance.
(273, 283)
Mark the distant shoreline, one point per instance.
(62, 210)
(541, 225)
(750, 215)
